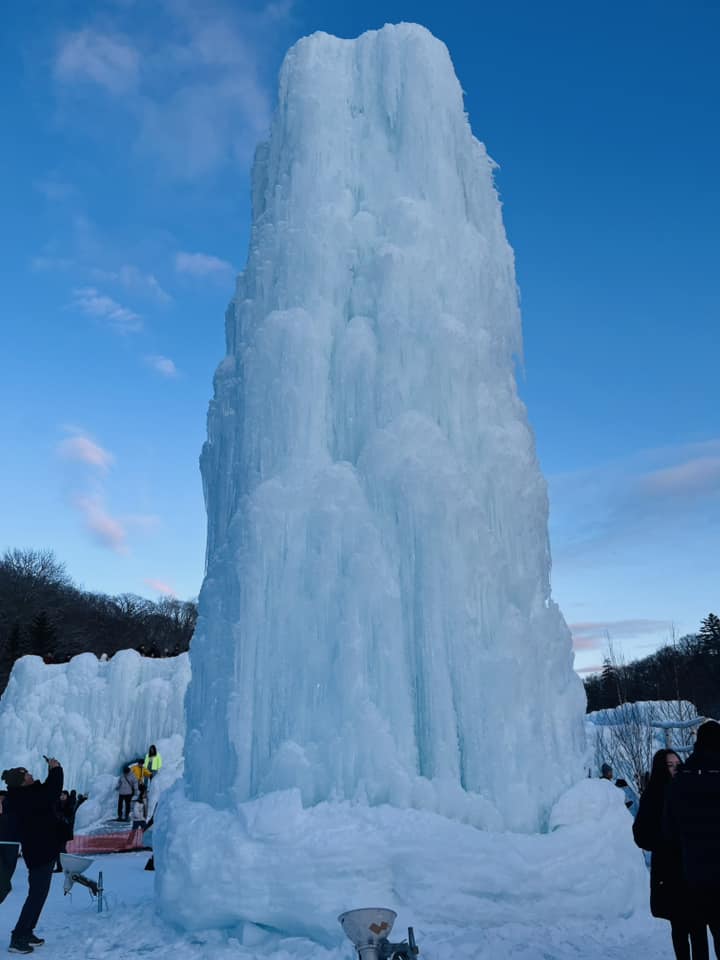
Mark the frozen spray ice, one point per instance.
(376, 621)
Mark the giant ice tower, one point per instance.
(376, 621)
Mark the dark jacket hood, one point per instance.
(703, 760)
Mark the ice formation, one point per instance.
(94, 715)
(376, 621)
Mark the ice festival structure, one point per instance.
(377, 638)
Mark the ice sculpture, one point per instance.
(376, 621)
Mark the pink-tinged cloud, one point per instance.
(593, 635)
(585, 643)
(697, 476)
(84, 450)
(105, 529)
(159, 586)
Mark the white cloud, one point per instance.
(134, 280)
(95, 304)
(90, 56)
(84, 450)
(51, 263)
(162, 365)
(203, 265)
(195, 87)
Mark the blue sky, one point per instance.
(129, 131)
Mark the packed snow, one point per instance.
(470, 895)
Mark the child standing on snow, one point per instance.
(139, 809)
(126, 786)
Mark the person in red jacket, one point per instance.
(32, 806)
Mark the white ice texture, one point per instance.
(275, 873)
(376, 621)
(94, 715)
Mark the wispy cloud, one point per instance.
(595, 668)
(82, 449)
(54, 189)
(700, 475)
(594, 635)
(203, 265)
(91, 302)
(160, 586)
(106, 530)
(87, 494)
(51, 263)
(194, 88)
(162, 365)
(637, 498)
(133, 279)
(89, 56)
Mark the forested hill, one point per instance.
(688, 669)
(43, 612)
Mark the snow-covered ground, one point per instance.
(130, 927)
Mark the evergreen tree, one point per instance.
(609, 682)
(42, 635)
(709, 634)
(14, 643)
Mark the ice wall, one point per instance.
(376, 620)
(92, 715)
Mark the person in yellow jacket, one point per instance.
(141, 771)
(153, 760)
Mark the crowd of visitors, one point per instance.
(39, 819)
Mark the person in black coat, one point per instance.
(33, 807)
(692, 822)
(9, 848)
(668, 899)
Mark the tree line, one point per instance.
(43, 612)
(686, 669)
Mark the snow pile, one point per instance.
(93, 716)
(624, 737)
(646, 711)
(279, 866)
(73, 928)
(376, 622)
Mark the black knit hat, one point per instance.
(15, 777)
(708, 736)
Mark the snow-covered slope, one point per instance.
(376, 622)
(93, 715)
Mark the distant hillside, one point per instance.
(43, 612)
(688, 669)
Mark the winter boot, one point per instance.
(19, 946)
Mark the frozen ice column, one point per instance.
(376, 621)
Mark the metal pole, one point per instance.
(100, 892)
